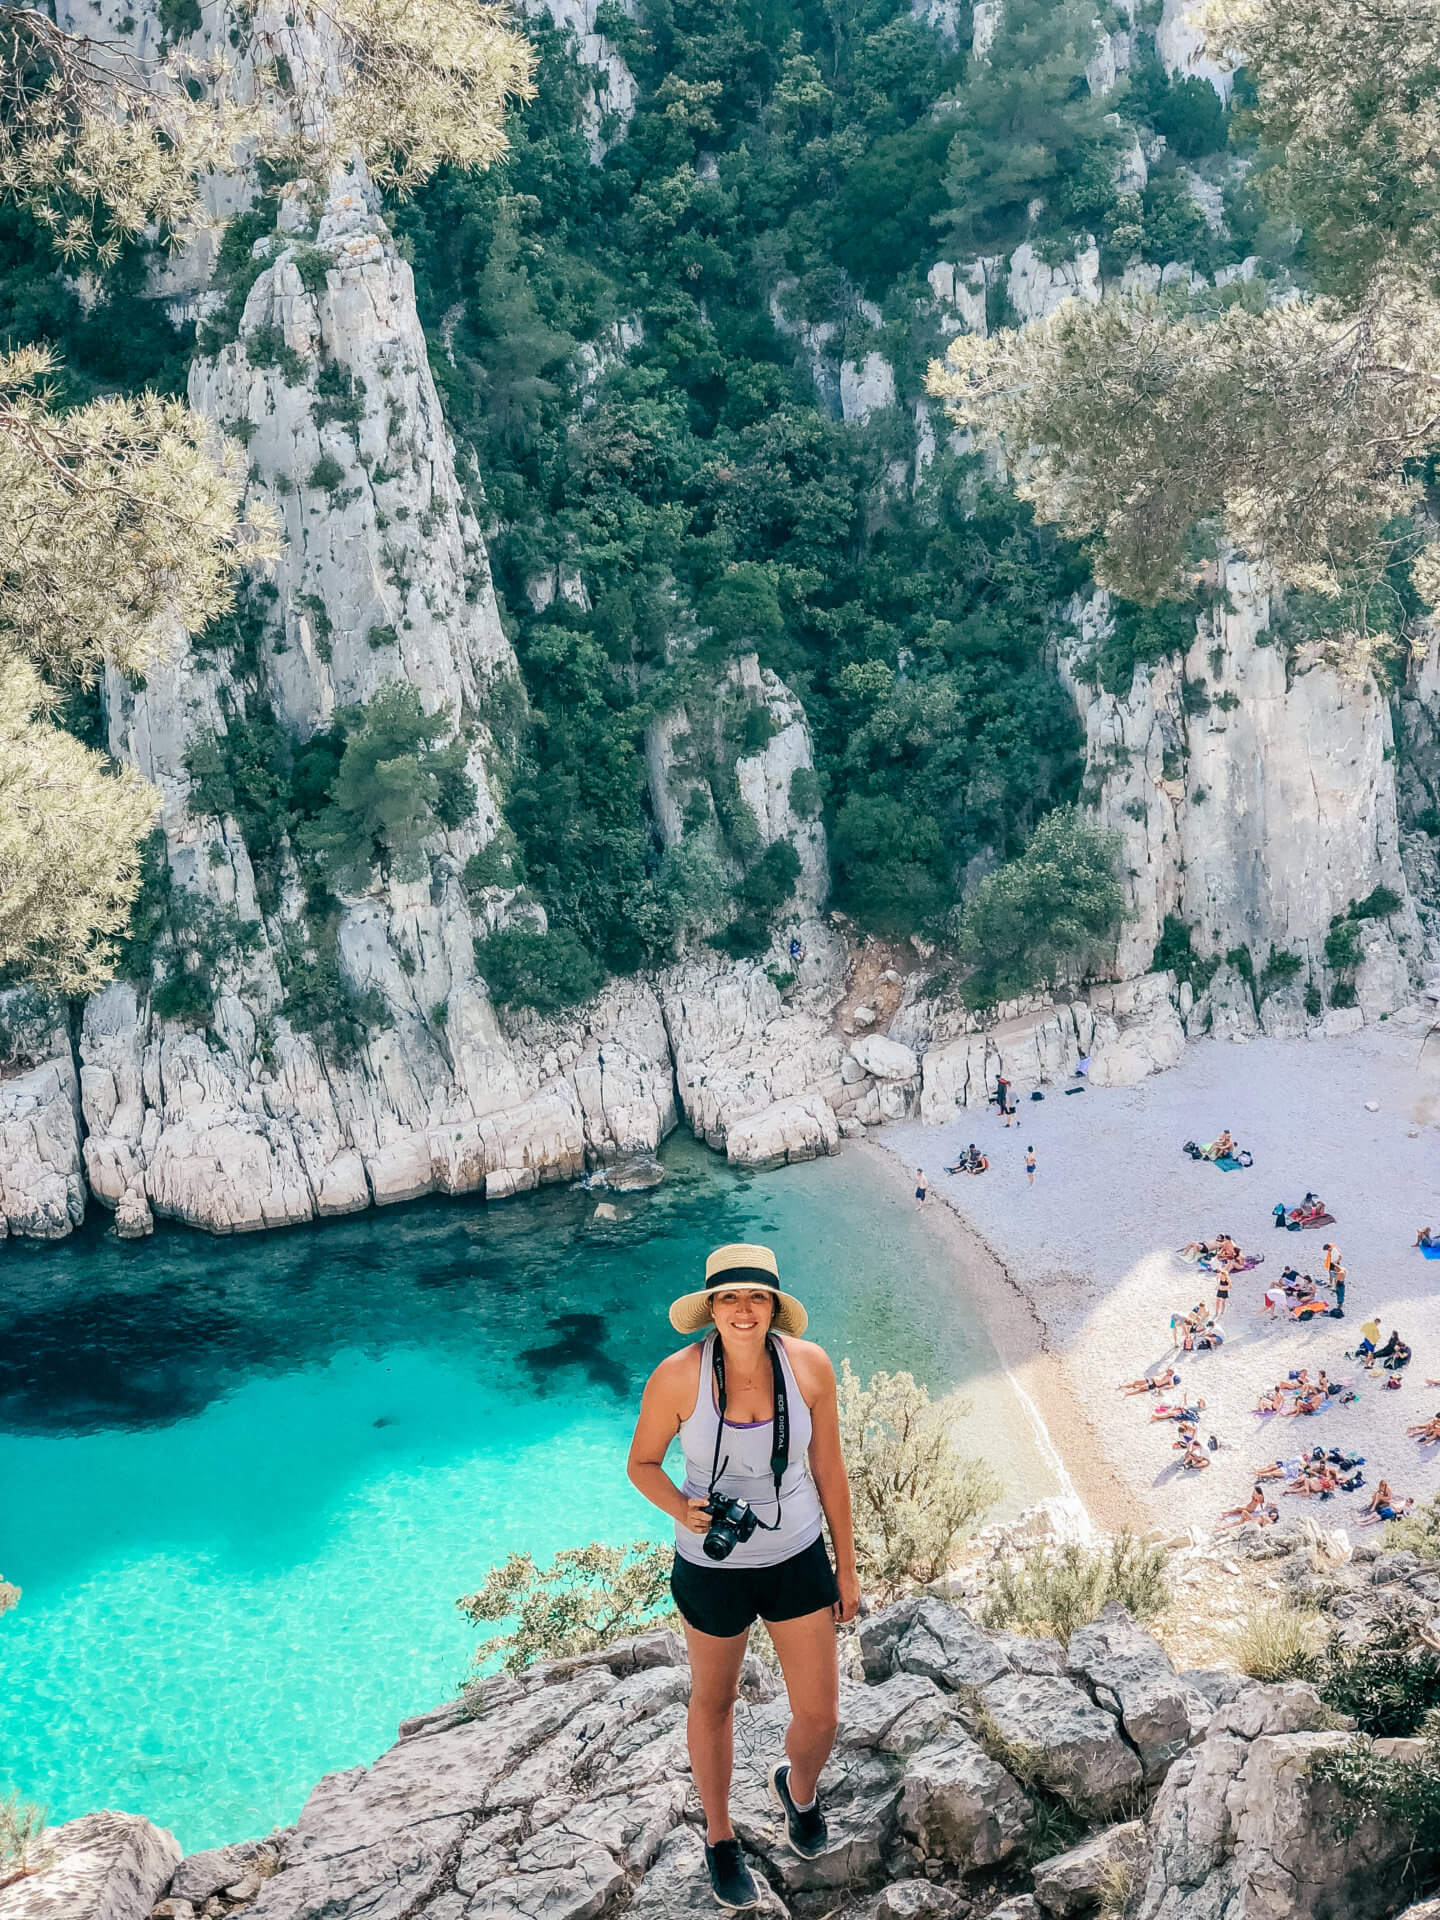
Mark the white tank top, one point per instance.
(746, 1475)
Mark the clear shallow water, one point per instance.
(242, 1482)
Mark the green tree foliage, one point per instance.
(546, 971)
(587, 1598)
(1030, 129)
(1148, 427)
(395, 786)
(1051, 1591)
(915, 1497)
(1051, 912)
(706, 499)
(22, 1839)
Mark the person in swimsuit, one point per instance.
(1222, 1293)
(920, 1186)
(720, 1396)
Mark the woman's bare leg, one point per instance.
(806, 1648)
(710, 1727)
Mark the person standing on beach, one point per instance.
(1337, 1275)
(920, 1186)
(1030, 1165)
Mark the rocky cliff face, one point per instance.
(564, 1792)
(384, 577)
(1255, 795)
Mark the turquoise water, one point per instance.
(242, 1482)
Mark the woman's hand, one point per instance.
(848, 1605)
(695, 1517)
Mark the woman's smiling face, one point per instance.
(742, 1310)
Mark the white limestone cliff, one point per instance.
(1254, 795)
(42, 1185)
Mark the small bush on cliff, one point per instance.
(22, 1826)
(1051, 1591)
(1387, 1684)
(1054, 911)
(915, 1497)
(1394, 1793)
(585, 1599)
(1418, 1532)
(395, 786)
(1278, 1643)
(547, 971)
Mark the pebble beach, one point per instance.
(1093, 1249)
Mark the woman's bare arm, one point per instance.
(668, 1396)
(816, 1379)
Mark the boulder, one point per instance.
(677, 1883)
(791, 1130)
(1073, 1882)
(1064, 1740)
(203, 1874)
(917, 1900)
(942, 1643)
(862, 1796)
(634, 1174)
(962, 1806)
(104, 1866)
(1022, 1907)
(884, 1059)
(881, 1632)
(1132, 1674)
(1242, 1828)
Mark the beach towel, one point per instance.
(1431, 1253)
(1250, 1260)
(1227, 1163)
(1320, 1220)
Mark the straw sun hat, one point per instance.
(738, 1265)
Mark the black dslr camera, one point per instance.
(731, 1524)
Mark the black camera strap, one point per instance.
(780, 1428)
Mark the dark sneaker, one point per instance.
(731, 1881)
(805, 1831)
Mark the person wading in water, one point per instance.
(755, 1408)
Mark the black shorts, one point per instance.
(723, 1600)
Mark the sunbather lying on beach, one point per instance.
(1309, 1402)
(1208, 1337)
(1427, 1237)
(1427, 1430)
(1151, 1383)
(1318, 1478)
(1237, 1516)
(1280, 1469)
(1177, 1413)
(1384, 1505)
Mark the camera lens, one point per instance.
(719, 1543)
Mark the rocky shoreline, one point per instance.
(976, 1773)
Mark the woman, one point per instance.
(720, 1398)
(1237, 1516)
(1384, 1506)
